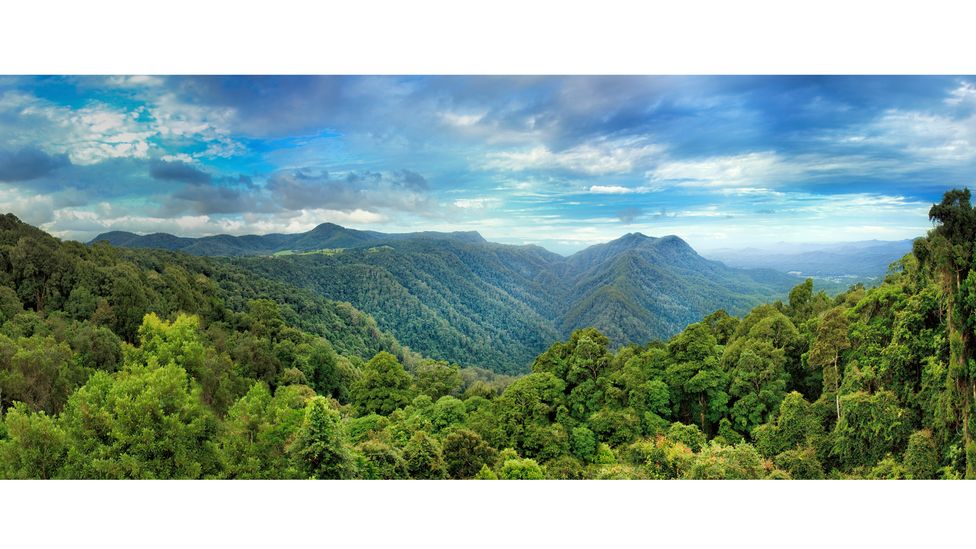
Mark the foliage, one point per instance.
(151, 364)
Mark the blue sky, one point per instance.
(564, 162)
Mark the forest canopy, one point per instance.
(150, 364)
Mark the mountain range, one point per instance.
(863, 261)
(455, 296)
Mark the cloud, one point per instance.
(399, 190)
(226, 195)
(619, 189)
(87, 135)
(178, 121)
(743, 170)
(30, 207)
(177, 171)
(610, 189)
(601, 157)
(965, 93)
(926, 136)
(628, 215)
(29, 163)
(480, 203)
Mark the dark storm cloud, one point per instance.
(177, 171)
(29, 163)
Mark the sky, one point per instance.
(563, 162)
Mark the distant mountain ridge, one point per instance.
(863, 261)
(455, 296)
(323, 236)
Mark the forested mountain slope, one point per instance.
(457, 297)
(873, 383)
(324, 236)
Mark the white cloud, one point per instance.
(600, 157)
(477, 203)
(35, 209)
(928, 136)
(611, 189)
(965, 93)
(175, 119)
(134, 81)
(88, 135)
(740, 171)
(461, 120)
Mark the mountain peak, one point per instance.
(632, 239)
(327, 228)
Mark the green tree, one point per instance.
(759, 381)
(949, 252)
(424, 457)
(521, 469)
(256, 435)
(38, 371)
(689, 435)
(696, 380)
(383, 387)
(141, 422)
(831, 340)
(486, 474)
(921, 457)
(10, 305)
(447, 412)
(583, 444)
(800, 463)
(437, 378)
(319, 449)
(465, 453)
(527, 406)
(34, 447)
(872, 426)
(715, 462)
(381, 461)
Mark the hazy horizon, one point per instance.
(764, 246)
(562, 162)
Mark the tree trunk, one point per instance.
(701, 401)
(837, 386)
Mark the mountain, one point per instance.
(458, 297)
(864, 261)
(120, 285)
(324, 236)
(637, 287)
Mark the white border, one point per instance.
(497, 37)
(466, 514)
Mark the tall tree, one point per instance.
(384, 386)
(830, 341)
(948, 251)
(319, 448)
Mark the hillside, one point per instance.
(457, 297)
(103, 374)
(324, 236)
(117, 286)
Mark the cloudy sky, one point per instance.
(561, 162)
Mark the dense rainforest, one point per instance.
(150, 364)
(457, 297)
